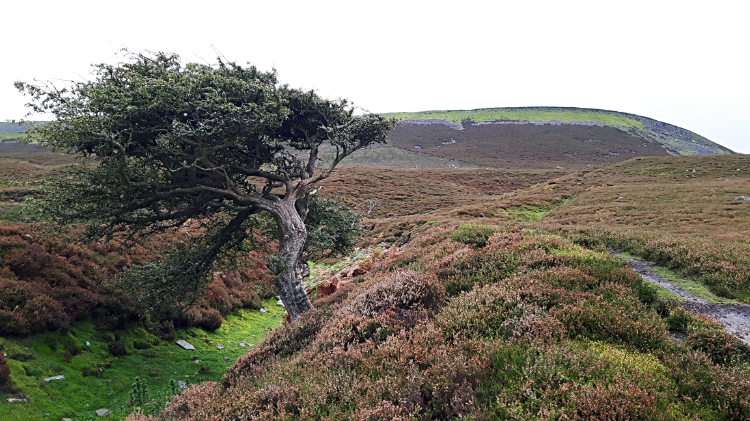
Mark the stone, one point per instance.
(263, 310)
(245, 344)
(198, 361)
(103, 412)
(49, 379)
(743, 198)
(17, 400)
(219, 346)
(151, 404)
(185, 344)
(181, 385)
(280, 303)
(66, 419)
(88, 343)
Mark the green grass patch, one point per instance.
(691, 286)
(608, 118)
(11, 136)
(95, 378)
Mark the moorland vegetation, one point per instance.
(476, 294)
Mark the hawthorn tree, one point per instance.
(166, 144)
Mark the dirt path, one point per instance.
(734, 317)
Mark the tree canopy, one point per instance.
(166, 143)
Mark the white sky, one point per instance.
(682, 62)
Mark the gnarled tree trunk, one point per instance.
(291, 268)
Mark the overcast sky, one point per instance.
(684, 63)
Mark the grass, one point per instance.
(608, 118)
(11, 136)
(693, 287)
(79, 395)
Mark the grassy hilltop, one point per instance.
(480, 292)
(674, 139)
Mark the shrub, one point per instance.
(679, 319)
(473, 234)
(117, 349)
(404, 290)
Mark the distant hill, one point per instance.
(543, 137)
(11, 135)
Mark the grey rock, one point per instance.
(185, 344)
(49, 379)
(103, 412)
(219, 346)
(263, 310)
(182, 385)
(245, 344)
(66, 419)
(151, 404)
(87, 344)
(280, 303)
(17, 400)
(743, 198)
(198, 361)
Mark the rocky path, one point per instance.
(734, 317)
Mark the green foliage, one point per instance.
(139, 394)
(332, 228)
(167, 145)
(473, 234)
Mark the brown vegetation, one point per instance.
(511, 146)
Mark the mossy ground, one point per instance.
(86, 388)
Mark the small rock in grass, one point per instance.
(198, 361)
(181, 385)
(49, 379)
(245, 344)
(151, 404)
(17, 400)
(67, 419)
(219, 346)
(103, 412)
(280, 303)
(185, 344)
(743, 198)
(263, 310)
(87, 344)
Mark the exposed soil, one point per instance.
(734, 317)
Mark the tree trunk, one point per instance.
(291, 268)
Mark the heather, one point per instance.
(48, 281)
(563, 332)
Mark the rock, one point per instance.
(280, 303)
(481, 215)
(181, 385)
(743, 198)
(245, 344)
(185, 344)
(17, 400)
(103, 412)
(151, 404)
(219, 346)
(263, 310)
(198, 361)
(67, 419)
(87, 344)
(49, 379)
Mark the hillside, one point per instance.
(478, 293)
(542, 137)
(509, 306)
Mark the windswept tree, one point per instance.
(165, 144)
